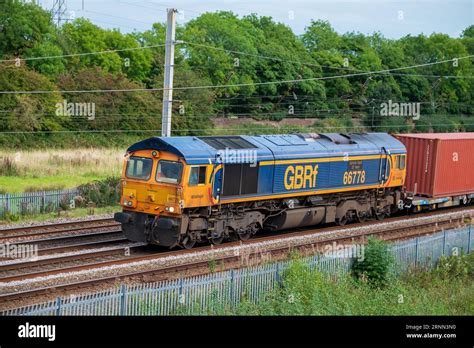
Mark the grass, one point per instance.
(446, 290)
(418, 292)
(78, 212)
(37, 170)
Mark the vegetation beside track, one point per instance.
(99, 196)
(53, 216)
(53, 169)
(446, 290)
(418, 292)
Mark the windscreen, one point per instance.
(169, 172)
(139, 168)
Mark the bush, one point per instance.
(450, 267)
(376, 265)
(102, 192)
(10, 217)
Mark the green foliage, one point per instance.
(23, 24)
(51, 68)
(450, 267)
(10, 217)
(102, 192)
(437, 124)
(394, 124)
(27, 112)
(376, 265)
(114, 111)
(27, 31)
(306, 291)
(83, 36)
(338, 124)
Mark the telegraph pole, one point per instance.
(169, 70)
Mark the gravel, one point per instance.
(242, 250)
(56, 221)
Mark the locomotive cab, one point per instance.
(152, 197)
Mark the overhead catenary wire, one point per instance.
(284, 127)
(240, 84)
(305, 63)
(84, 53)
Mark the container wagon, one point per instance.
(440, 169)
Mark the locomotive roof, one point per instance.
(200, 150)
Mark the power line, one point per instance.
(84, 53)
(119, 17)
(240, 84)
(307, 64)
(283, 127)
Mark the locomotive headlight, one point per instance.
(129, 203)
(169, 209)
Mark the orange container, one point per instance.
(439, 164)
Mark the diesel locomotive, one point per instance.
(178, 191)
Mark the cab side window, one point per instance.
(401, 162)
(197, 176)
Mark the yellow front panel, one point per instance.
(150, 196)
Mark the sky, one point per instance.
(393, 19)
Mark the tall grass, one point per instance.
(54, 169)
(8, 166)
(83, 161)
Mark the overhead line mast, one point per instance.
(169, 72)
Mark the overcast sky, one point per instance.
(393, 19)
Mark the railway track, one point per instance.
(38, 233)
(170, 264)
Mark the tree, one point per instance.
(321, 36)
(22, 25)
(113, 110)
(27, 112)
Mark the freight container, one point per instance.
(439, 164)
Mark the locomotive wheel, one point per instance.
(188, 243)
(248, 232)
(245, 235)
(362, 216)
(217, 240)
(342, 221)
(380, 216)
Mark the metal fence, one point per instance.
(27, 203)
(214, 293)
